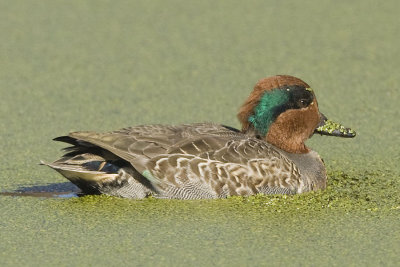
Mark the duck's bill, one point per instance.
(328, 127)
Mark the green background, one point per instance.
(103, 65)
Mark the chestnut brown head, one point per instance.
(284, 111)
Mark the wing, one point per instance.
(244, 166)
(139, 144)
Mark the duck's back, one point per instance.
(188, 161)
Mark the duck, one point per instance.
(267, 155)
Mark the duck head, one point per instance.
(283, 110)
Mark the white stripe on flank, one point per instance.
(198, 149)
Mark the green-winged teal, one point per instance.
(207, 160)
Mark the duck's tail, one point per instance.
(100, 172)
(88, 175)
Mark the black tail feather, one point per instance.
(66, 139)
(73, 141)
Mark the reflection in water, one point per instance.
(60, 190)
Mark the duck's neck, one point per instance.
(285, 140)
(288, 141)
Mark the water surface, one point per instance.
(68, 66)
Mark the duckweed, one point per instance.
(104, 65)
(331, 126)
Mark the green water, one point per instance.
(103, 65)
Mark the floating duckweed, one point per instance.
(351, 131)
(331, 126)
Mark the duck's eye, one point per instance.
(302, 103)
